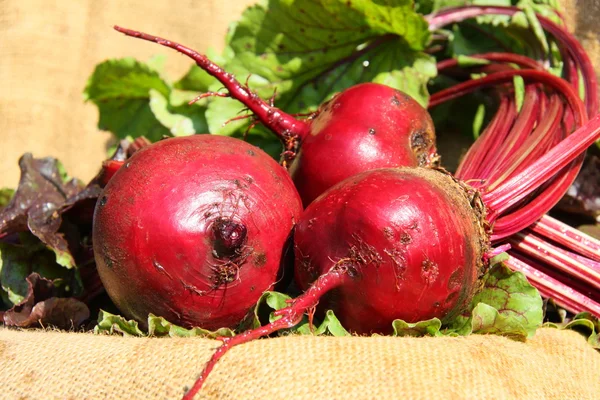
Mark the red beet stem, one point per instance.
(109, 169)
(535, 175)
(562, 294)
(567, 41)
(527, 214)
(282, 124)
(521, 61)
(481, 164)
(468, 168)
(565, 235)
(561, 260)
(532, 147)
(530, 76)
(290, 316)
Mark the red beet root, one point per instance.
(367, 126)
(367, 248)
(409, 239)
(193, 229)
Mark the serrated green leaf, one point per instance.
(266, 39)
(429, 327)
(110, 324)
(330, 325)
(158, 326)
(342, 44)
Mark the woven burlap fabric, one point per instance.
(51, 365)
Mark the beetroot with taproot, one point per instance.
(365, 127)
(416, 258)
(193, 229)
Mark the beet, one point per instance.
(409, 238)
(193, 229)
(367, 126)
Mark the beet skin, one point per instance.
(193, 229)
(367, 126)
(408, 239)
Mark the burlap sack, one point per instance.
(50, 365)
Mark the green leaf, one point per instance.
(507, 305)
(330, 325)
(584, 323)
(392, 64)
(123, 78)
(219, 116)
(110, 324)
(184, 120)
(292, 37)
(121, 91)
(157, 326)
(130, 117)
(310, 49)
(269, 301)
(429, 327)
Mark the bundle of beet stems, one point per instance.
(516, 171)
(562, 262)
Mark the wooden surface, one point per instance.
(48, 50)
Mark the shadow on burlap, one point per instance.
(51, 365)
